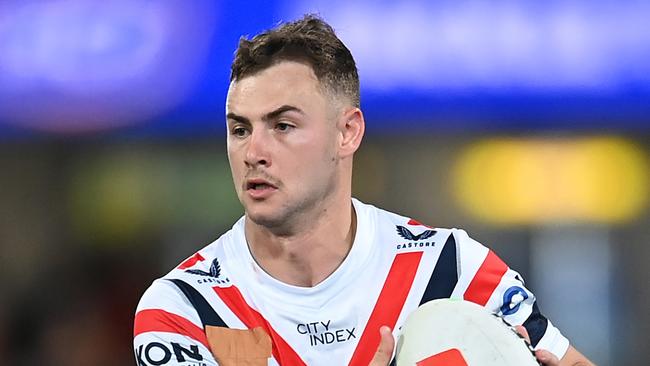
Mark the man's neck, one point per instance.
(311, 253)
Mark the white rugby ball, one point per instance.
(459, 333)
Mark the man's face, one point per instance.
(282, 143)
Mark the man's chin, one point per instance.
(266, 219)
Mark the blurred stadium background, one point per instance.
(526, 123)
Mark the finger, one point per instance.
(522, 332)
(547, 358)
(385, 349)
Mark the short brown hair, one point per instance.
(310, 40)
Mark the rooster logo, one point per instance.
(215, 270)
(408, 235)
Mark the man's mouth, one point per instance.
(258, 185)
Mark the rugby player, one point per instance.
(310, 275)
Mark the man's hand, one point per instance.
(572, 357)
(385, 350)
(543, 356)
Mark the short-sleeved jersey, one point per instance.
(394, 265)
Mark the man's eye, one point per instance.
(239, 131)
(283, 126)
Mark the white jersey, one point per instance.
(213, 306)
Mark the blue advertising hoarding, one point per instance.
(161, 68)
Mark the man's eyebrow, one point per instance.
(285, 108)
(238, 118)
(269, 116)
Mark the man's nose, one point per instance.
(257, 152)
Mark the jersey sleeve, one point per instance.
(486, 280)
(168, 330)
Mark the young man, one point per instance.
(310, 276)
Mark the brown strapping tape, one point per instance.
(239, 347)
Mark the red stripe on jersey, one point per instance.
(451, 357)
(416, 222)
(487, 279)
(282, 351)
(388, 306)
(157, 320)
(189, 262)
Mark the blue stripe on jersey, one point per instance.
(536, 325)
(206, 312)
(445, 274)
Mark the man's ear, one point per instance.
(351, 126)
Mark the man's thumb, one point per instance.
(385, 350)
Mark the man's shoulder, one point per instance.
(204, 265)
(408, 229)
(405, 225)
(207, 264)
